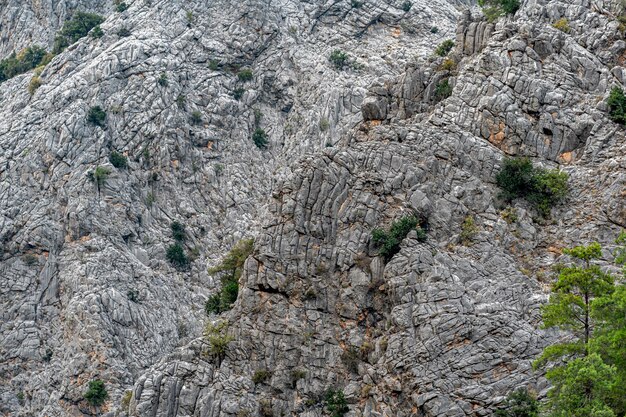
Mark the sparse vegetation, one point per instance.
(123, 32)
(434, 29)
(35, 82)
(218, 337)
(617, 105)
(121, 7)
(468, 231)
(196, 117)
(133, 296)
(176, 255)
(163, 81)
(356, 4)
(97, 32)
(96, 116)
(238, 93)
(97, 394)
(448, 65)
(406, 6)
(351, 357)
(562, 24)
(389, 241)
(444, 47)
(443, 90)
(520, 403)
(339, 59)
(245, 75)
(125, 402)
(324, 124)
(509, 215)
(26, 60)
(260, 376)
(74, 29)
(336, 404)
(118, 160)
(214, 65)
(100, 175)
(493, 9)
(229, 271)
(543, 188)
(259, 137)
(178, 231)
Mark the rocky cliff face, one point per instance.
(442, 329)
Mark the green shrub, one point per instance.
(74, 29)
(196, 118)
(339, 59)
(562, 24)
(238, 93)
(97, 32)
(388, 242)
(162, 81)
(100, 175)
(178, 231)
(214, 65)
(96, 116)
(176, 255)
(260, 376)
(123, 32)
(448, 65)
(218, 337)
(34, 83)
(356, 4)
(121, 7)
(493, 9)
(443, 90)
(125, 402)
(519, 403)
(133, 295)
(434, 29)
(97, 393)
(245, 75)
(617, 105)
(444, 47)
(468, 231)
(229, 271)
(259, 137)
(118, 160)
(324, 124)
(406, 6)
(542, 188)
(26, 60)
(336, 403)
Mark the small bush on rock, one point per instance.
(543, 188)
(26, 60)
(617, 105)
(493, 9)
(76, 28)
(196, 118)
(562, 24)
(176, 255)
(97, 394)
(406, 6)
(520, 403)
(96, 116)
(118, 160)
(389, 241)
(444, 47)
(336, 403)
(218, 337)
(123, 33)
(259, 137)
(121, 7)
(339, 59)
(468, 231)
(443, 90)
(178, 231)
(260, 376)
(245, 75)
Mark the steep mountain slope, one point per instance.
(86, 290)
(443, 329)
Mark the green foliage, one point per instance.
(582, 388)
(229, 271)
(444, 47)
(520, 403)
(617, 105)
(97, 32)
(448, 65)
(336, 403)
(178, 231)
(468, 231)
(176, 255)
(214, 65)
(443, 90)
(133, 295)
(562, 24)
(543, 188)
(162, 81)
(356, 4)
(339, 59)
(196, 117)
(245, 75)
(96, 116)
(118, 160)
(218, 337)
(493, 9)
(123, 32)
(97, 394)
(434, 29)
(121, 7)
(74, 29)
(406, 6)
(26, 60)
(238, 93)
(181, 101)
(260, 376)
(259, 137)
(100, 175)
(389, 241)
(324, 124)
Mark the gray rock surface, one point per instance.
(443, 329)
